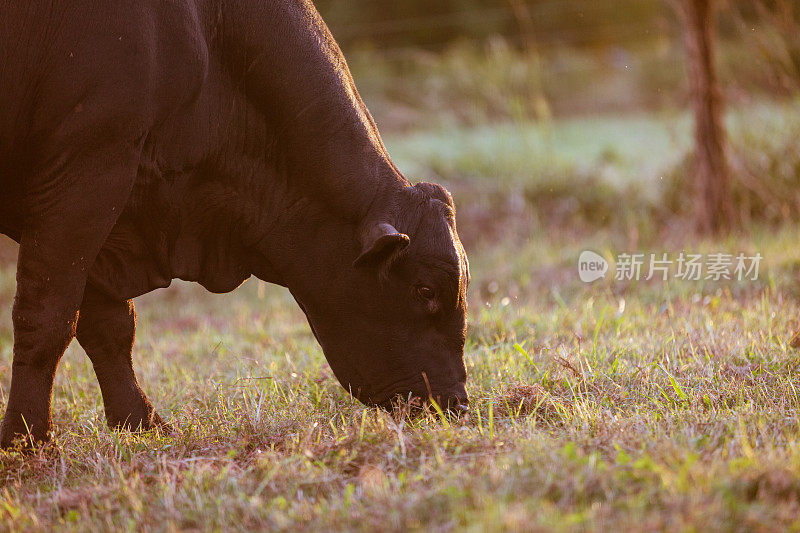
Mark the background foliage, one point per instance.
(581, 55)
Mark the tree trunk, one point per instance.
(713, 207)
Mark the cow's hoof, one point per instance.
(157, 423)
(24, 429)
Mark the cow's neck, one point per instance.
(292, 71)
(292, 98)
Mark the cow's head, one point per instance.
(388, 301)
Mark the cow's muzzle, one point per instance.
(453, 405)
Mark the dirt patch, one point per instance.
(530, 400)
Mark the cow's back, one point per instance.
(19, 67)
(82, 73)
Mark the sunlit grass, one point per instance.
(679, 407)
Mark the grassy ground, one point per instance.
(607, 406)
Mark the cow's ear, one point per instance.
(381, 242)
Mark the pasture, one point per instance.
(610, 406)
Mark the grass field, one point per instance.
(610, 406)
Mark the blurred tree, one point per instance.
(714, 207)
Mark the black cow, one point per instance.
(211, 140)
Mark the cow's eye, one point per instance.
(426, 292)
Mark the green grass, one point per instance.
(629, 148)
(638, 148)
(676, 409)
(608, 406)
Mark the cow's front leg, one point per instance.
(41, 334)
(106, 330)
(70, 214)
